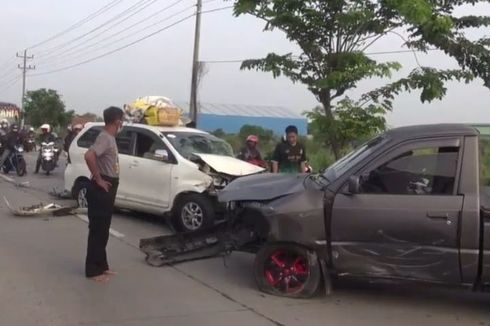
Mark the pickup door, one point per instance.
(403, 222)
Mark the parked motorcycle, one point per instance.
(49, 157)
(16, 161)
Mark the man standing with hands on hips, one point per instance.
(103, 162)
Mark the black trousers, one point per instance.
(100, 207)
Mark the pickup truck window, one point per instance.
(353, 158)
(485, 164)
(425, 171)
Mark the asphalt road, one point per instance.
(42, 281)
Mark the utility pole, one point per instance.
(195, 64)
(24, 69)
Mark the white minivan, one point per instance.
(167, 171)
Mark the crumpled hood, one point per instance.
(262, 187)
(229, 165)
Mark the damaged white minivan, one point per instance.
(167, 171)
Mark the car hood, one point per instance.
(229, 165)
(262, 187)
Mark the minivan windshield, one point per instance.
(353, 158)
(188, 143)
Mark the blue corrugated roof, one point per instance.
(244, 110)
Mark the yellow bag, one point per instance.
(167, 116)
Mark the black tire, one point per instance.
(294, 271)
(5, 169)
(21, 168)
(200, 205)
(79, 192)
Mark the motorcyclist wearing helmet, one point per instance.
(4, 129)
(11, 140)
(45, 137)
(4, 125)
(73, 132)
(250, 153)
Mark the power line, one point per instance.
(217, 9)
(112, 25)
(8, 72)
(369, 53)
(10, 83)
(121, 14)
(83, 51)
(7, 63)
(399, 51)
(79, 23)
(115, 50)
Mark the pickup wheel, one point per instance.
(287, 270)
(193, 212)
(79, 192)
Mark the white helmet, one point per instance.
(46, 126)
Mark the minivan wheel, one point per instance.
(287, 270)
(80, 193)
(193, 212)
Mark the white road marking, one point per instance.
(8, 179)
(113, 232)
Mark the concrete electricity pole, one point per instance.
(195, 64)
(24, 69)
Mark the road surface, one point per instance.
(42, 281)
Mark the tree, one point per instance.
(353, 123)
(265, 135)
(220, 133)
(334, 36)
(46, 106)
(91, 117)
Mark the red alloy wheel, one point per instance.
(286, 271)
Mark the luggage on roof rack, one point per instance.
(154, 111)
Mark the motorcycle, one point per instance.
(30, 144)
(16, 162)
(49, 157)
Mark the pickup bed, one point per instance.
(411, 204)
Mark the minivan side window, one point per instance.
(123, 140)
(425, 171)
(88, 138)
(146, 145)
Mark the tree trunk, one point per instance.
(333, 141)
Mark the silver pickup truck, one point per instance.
(412, 204)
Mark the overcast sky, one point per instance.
(161, 65)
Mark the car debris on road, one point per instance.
(41, 209)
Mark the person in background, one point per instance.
(45, 137)
(289, 155)
(103, 162)
(11, 140)
(250, 153)
(4, 127)
(72, 133)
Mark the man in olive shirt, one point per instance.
(289, 155)
(103, 162)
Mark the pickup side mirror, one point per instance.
(354, 185)
(161, 155)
